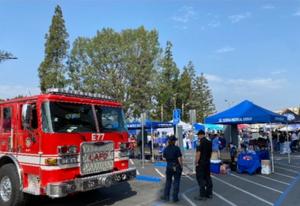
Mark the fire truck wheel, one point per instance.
(10, 193)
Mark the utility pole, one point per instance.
(174, 102)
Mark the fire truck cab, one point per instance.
(59, 143)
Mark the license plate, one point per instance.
(96, 157)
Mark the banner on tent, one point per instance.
(237, 119)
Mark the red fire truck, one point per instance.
(61, 142)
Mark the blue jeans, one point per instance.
(170, 173)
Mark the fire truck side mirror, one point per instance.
(26, 116)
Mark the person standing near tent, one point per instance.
(294, 142)
(215, 147)
(202, 162)
(173, 156)
(140, 142)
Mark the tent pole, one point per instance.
(272, 150)
(143, 141)
(288, 139)
(152, 144)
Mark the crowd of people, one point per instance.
(208, 147)
(158, 142)
(283, 141)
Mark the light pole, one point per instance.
(174, 98)
(182, 108)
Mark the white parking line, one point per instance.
(289, 170)
(131, 161)
(284, 175)
(188, 200)
(244, 191)
(255, 183)
(185, 175)
(268, 178)
(161, 174)
(224, 199)
(218, 195)
(286, 165)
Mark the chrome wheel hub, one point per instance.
(5, 189)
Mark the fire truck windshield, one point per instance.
(65, 117)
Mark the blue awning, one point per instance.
(149, 124)
(246, 113)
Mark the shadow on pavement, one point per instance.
(102, 196)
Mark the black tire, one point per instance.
(17, 196)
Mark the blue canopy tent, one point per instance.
(246, 112)
(208, 127)
(198, 126)
(149, 125)
(135, 126)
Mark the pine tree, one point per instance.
(52, 68)
(203, 99)
(185, 87)
(168, 84)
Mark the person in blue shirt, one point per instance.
(173, 156)
(216, 145)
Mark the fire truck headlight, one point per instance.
(68, 160)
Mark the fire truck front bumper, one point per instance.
(62, 189)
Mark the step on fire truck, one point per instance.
(61, 142)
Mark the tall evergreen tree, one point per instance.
(186, 81)
(168, 84)
(203, 99)
(52, 68)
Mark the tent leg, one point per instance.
(272, 152)
(288, 139)
(152, 145)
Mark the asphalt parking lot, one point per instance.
(279, 188)
(236, 189)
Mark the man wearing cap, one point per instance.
(202, 162)
(173, 156)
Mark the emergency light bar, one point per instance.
(77, 93)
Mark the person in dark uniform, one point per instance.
(173, 156)
(140, 142)
(202, 162)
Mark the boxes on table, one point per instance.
(265, 167)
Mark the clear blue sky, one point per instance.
(248, 49)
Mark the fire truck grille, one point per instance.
(96, 157)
